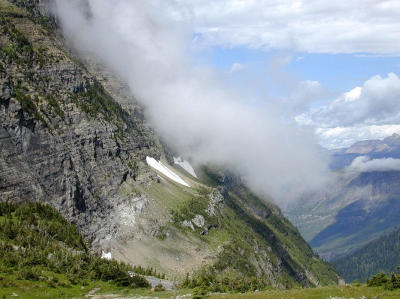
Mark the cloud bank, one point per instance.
(376, 102)
(364, 164)
(312, 26)
(147, 43)
(369, 111)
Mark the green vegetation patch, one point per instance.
(37, 244)
(348, 291)
(29, 106)
(391, 282)
(94, 101)
(381, 254)
(9, 10)
(20, 50)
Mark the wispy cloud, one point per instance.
(312, 26)
(237, 67)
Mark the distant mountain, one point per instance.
(379, 255)
(356, 207)
(386, 148)
(355, 225)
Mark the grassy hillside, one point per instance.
(253, 245)
(379, 255)
(40, 252)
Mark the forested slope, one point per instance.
(382, 254)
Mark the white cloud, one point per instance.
(237, 67)
(338, 137)
(370, 111)
(339, 26)
(303, 94)
(364, 164)
(377, 102)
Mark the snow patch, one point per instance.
(185, 165)
(157, 165)
(106, 256)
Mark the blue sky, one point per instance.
(336, 72)
(338, 59)
(275, 74)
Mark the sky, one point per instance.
(253, 86)
(286, 45)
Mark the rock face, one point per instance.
(57, 143)
(73, 137)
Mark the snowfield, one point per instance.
(157, 165)
(185, 165)
(106, 256)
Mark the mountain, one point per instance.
(355, 207)
(73, 137)
(380, 255)
(389, 147)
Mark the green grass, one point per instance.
(216, 238)
(348, 291)
(37, 289)
(38, 247)
(169, 194)
(40, 289)
(9, 10)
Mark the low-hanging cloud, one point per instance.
(365, 164)
(148, 44)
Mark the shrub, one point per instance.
(29, 274)
(159, 288)
(381, 279)
(199, 293)
(377, 280)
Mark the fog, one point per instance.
(365, 164)
(149, 45)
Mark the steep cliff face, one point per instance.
(64, 139)
(72, 136)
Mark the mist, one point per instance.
(150, 45)
(365, 164)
